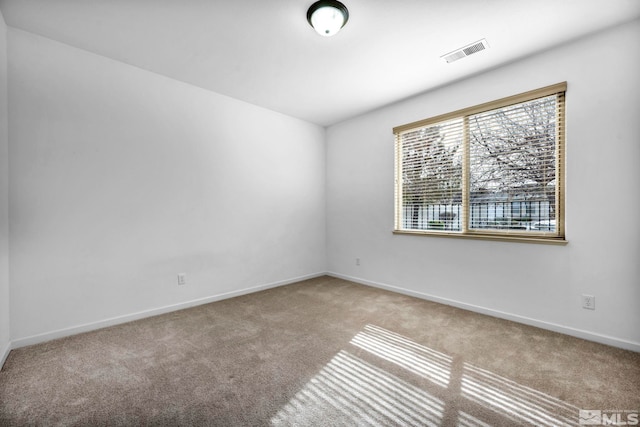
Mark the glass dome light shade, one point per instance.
(327, 17)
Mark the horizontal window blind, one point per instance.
(432, 176)
(493, 169)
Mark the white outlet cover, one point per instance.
(589, 302)
(182, 279)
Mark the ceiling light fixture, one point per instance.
(327, 17)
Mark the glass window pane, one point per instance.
(512, 168)
(432, 177)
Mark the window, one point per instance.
(495, 170)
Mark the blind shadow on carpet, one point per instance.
(351, 389)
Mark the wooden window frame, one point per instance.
(556, 237)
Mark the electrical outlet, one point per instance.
(182, 279)
(357, 261)
(589, 302)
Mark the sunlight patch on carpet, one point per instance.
(466, 420)
(515, 400)
(350, 391)
(408, 354)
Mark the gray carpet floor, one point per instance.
(323, 352)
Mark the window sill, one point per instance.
(477, 236)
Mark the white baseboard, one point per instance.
(590, 336)
(4, 353)
(60, 333)
(579, 333)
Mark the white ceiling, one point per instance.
(264, 52)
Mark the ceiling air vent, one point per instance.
(466, 51)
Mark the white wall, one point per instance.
(536, 284)
(4, 198)
(121, 178)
